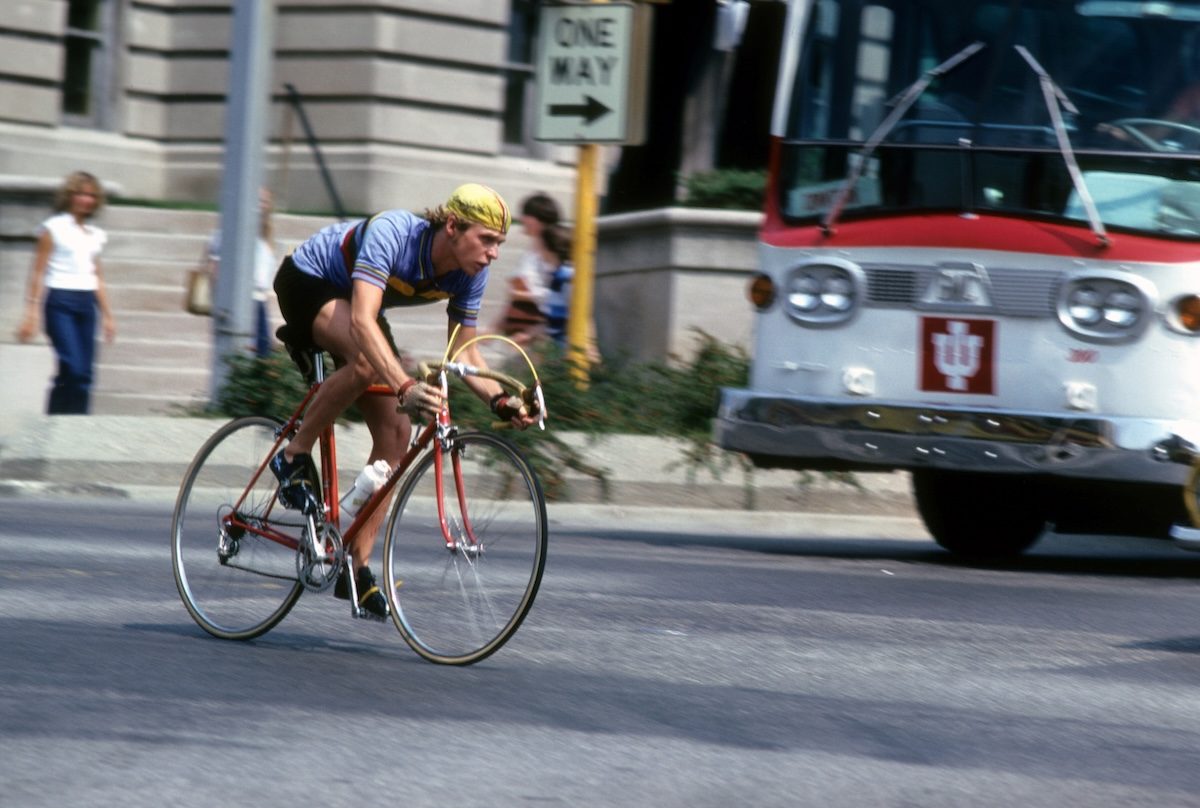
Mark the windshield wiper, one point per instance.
(1056, 101)
(902, 101)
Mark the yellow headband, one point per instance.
(480, 204)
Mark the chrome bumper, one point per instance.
(794, 431)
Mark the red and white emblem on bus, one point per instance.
(958, 355)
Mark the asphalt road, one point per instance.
(667, 667)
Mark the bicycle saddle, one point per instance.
(301, 357)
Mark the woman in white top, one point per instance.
(66, 265)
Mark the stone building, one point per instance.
(407, 98)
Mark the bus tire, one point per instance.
(979, 515)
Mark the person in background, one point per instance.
(523, 319)
(265, 264)
(556, 302)
(66, 268)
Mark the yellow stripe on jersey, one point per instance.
(407, 290)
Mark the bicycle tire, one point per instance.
(1191, 493)
(454, 606)
(248, 592)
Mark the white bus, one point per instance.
(980, 261)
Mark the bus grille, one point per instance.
(1014, 292)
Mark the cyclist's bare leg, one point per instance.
(331, 330)
(390, 432)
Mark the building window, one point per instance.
(87, 49)
(519, 74)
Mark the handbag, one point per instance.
(198, 299)
(521, 316)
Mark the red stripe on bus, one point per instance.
(953, 231)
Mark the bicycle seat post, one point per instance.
(318, 365)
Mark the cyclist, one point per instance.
(331, 293)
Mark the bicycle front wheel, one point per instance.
(462, 560)
(233, 545)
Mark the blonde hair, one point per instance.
(437, 217)
(74, 183)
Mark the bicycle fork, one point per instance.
(460, 537)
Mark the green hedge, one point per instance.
(729, 189)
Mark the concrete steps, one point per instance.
(147, 352)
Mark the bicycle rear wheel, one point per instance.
(233, 545)
(1191, 493)
(457, 603)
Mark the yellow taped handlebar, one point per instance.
(446, 357)
(532, 396)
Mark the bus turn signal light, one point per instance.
(761, 291)
(1187, 308)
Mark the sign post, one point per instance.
(583, 258)
(591, 79)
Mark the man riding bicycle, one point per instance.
(332, 290)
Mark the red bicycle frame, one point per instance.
(435, 430)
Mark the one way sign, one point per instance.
(591, 73)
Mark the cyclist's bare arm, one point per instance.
(366, 301)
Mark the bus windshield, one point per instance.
(980, 136)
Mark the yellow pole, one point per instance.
(583, 257)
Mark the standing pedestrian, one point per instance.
(523, 319)
(264, 269)
(66, 268)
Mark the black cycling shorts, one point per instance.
(301, 297)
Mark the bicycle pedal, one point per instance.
(362, 614)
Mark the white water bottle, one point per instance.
(368, 482)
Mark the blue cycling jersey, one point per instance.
(391, 251)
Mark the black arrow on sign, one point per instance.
(589, 110)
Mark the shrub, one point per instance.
(727, 188)
(270, 385)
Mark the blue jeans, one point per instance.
(71, 327)
(262, 337)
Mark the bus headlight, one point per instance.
(1122, 309)
(823, 294)
(1084, 306)
(1106, 306)
(804, 292)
